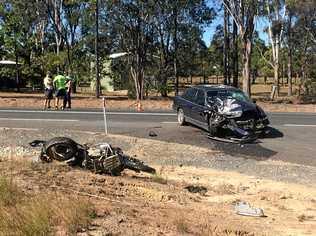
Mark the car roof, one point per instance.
(212, 87)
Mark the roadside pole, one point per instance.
(104, 116)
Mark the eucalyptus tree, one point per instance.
(178, 24)
(18, 32)
(288, 41)
(305, 49)
(275, 11)
(244, 13)
(130, 20)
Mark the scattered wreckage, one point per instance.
(226, 112)
(108, 160)
(229, 123)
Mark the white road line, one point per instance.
(91, 112)
(169, 122)
(45, 120)
(27, 129)
(298, 125)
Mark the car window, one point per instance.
(190, 94)
(200, 98)
(236, 94)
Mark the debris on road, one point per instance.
(104, 159)
(196, 189)
(244, 208)
(152, 134)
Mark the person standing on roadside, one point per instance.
(60, 87)
(48, 91)
(67, 98)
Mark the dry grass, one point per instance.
(218, 231)
(42, 214)
(182, 225)
(303, 217)
(207, 228)
(159, 179)
(224, 188)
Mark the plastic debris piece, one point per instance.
(244, 208)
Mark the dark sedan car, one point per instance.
(220, 109)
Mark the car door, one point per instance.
(198, 109)
(189, 97)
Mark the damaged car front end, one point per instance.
(228, 114)
(235, 119)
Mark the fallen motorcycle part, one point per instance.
(136, 165)
(243, 208)
(110, 160)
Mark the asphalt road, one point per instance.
(293, 136)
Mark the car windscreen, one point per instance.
(224, 94)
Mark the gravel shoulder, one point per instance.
(285, 191)
(15, 143)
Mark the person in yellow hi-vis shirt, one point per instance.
(60, 87)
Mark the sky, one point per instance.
(209, 31)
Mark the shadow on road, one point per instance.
(272, 133)
(253, 150)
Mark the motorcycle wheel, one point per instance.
(136, 165)
(61, 148)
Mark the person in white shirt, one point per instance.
(48, 91)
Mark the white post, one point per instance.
(104, 116)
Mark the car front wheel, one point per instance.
(212, 129)
(181, 118)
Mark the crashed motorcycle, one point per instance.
(230, 123)
(107, 160)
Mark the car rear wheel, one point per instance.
(181, 118)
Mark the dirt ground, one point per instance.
(141, 204)
(29, 100)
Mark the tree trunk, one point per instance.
(276, 68)
(289, 74)
(17, 70)
(138, 77)
(97, 63)
(175, 39)
(289, 62)
(164, 92)
(225, 47)
(276, 77)
(235, 56)
(247, 46)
